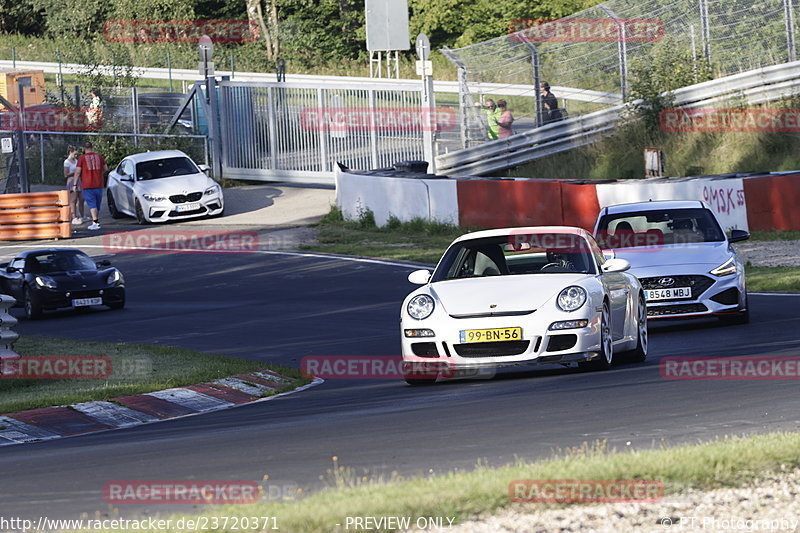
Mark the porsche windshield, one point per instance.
(654, 228)
(543, 253)
(44, 263)
(165, 168)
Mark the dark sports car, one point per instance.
(56, 278)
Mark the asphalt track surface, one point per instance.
(278, 308)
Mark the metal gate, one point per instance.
(297, 132)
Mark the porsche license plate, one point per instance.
(83, 302)
(673, 293)
(180, 208)
(490, 335)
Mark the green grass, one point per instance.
(775, 235)
(773, 279)
(418, 240)
(463, 494)
(139, 369)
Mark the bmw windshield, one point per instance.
(165, 168)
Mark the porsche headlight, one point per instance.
(154, 197)
(45, 281)
(214, 189)
(725, 269)
(571, 299)
(114, 277)
(420, 307)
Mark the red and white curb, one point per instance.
(125, 411)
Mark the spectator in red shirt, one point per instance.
(91, 171)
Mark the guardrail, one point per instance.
(37, 215)
(7, 336)
(754, 87)
(568, 93)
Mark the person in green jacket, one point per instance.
(492, 117)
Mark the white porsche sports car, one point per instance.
(522, 296)
(682, 257)
(162, 186)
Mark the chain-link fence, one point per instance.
(587, 57)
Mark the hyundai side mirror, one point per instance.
(738, 235)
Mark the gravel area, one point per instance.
(770, 253)
(772, 504)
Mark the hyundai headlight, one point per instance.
(420, 307)
(725, 269)
(571, 299)
(45, 281)
(154, 197)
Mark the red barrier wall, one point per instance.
(772, 202)
(508, 203)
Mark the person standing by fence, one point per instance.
(91, 171)
(505, 121)
(550, 111)
(73, 185)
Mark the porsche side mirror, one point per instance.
(11, 269)
(738, 235)
(420, 277)
(103, 263)
(616, 265)
(126, 178)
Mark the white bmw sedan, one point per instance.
(522, 296)
(162, 186)
(681, 255)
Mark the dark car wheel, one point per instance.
(605, 358)
(742, 317)
(639, 354)
(33, 307)
(112, 206)
(140, 214)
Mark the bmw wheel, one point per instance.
(140, 218)
(112, 205)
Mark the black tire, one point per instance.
(420, 382)
(740, 318)
(112, 205)
(140, 215)
(606, 356)
(639, 354)
(31, 303)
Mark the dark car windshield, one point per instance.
(165, 168)
(653, 228)
(59, 261)
(508, 255)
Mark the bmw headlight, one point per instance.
(214, 189)
(420, 307)
(114, 278)
(571, 299)
(45, 281)
(154, 197)
(725, 269)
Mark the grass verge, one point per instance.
(418, 240)
(721, 463)
(774, 236)
(773, 279)
(136, 369)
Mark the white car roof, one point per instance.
(655, 206)
(503, 232)
(158, 154)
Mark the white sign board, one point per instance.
(7, 145)
(387, 25)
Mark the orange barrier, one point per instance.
(493, 203)
(772, 202)
(38, 215)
